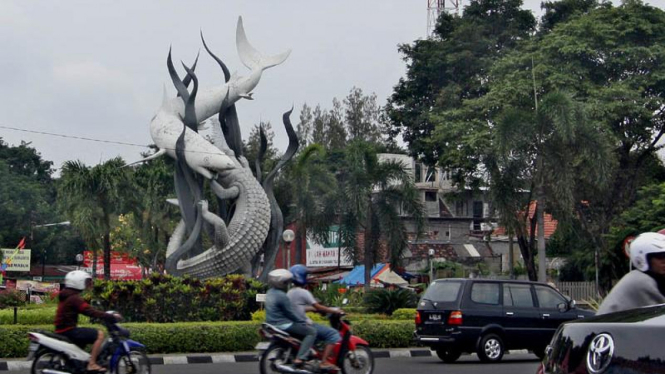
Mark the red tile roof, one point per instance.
(550, 224)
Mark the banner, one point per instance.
(118, 272)
(116, 258)
(16, 260)
(320, 256)
(34, 286)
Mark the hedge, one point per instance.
(405, 314)
(203, 337)
(32, 316)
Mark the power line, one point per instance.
(92, 139)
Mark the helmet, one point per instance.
(76, 279)
(279, 278)
(644, 245)
(299, 274)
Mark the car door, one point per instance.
(521, 319)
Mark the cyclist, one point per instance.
(280, 314)
(646, 284)
(70, 305)
(303, 301)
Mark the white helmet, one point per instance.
(76, 279)
(279, 278)
(644, 245)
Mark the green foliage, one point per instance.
(33, 316)
(260, 316)
(408, 314)
(164, 298)
(11, 298)
(386, 301)
(210, 336)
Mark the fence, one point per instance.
(578, 291)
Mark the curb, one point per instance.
(218, 358)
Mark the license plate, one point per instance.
(435, 317)
(262, 346)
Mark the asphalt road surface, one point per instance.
(511, 364)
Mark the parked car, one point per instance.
(490, 317)
(627, 342)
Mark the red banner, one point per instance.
(117, 258)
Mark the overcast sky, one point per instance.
(97, 69)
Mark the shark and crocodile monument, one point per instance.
(247, 222)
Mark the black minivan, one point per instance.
(489, 317)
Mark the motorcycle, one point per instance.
(351, 354)
(55, 354)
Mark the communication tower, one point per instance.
(434, 9)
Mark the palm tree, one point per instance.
(91, 196)
(314, 186)
(544, 151)
(372, 198)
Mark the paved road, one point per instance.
(511, 364)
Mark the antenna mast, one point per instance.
(434, 9)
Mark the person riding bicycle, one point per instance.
(70, 305)
(646, 284)
(279, 313)
(303, 301)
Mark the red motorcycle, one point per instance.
(351, 354)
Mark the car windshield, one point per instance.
(442, 291)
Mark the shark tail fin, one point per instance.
(252, 58)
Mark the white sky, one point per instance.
(97, 69)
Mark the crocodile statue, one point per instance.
(174, 130)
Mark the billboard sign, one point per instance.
(20, 260)
(319, 255)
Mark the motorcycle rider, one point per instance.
(303, 301)
(646, 284)
(70, 305)
(279, 313)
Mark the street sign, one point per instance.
(37, 279)
(260, 298)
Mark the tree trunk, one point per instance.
(301, 234)
(94, 263)
(107, 256)
(368, 255)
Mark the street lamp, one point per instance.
(430, 252)
(288, 237)
(32, 238)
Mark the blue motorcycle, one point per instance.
(55, 354)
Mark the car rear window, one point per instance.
(443, 291)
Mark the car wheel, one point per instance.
(448, 355)
(491, 348)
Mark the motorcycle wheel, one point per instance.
(360, 361)
(274, 354)
(48, 360)
(136, 362)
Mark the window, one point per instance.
(548, 298)
(430, 195)
(419, 173)
(485, 293)
(518, 295)
(431, 174)
(443, 291)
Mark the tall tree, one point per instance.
(449, 68)
(304, 127)
(314, 187)
(372, 197)
(91, 197)
(361, 114)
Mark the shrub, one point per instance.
(11, 298)
(210, 336)
(260, 316)
(386, 301)
(408, 314)
(164, 298)
(33, 316)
